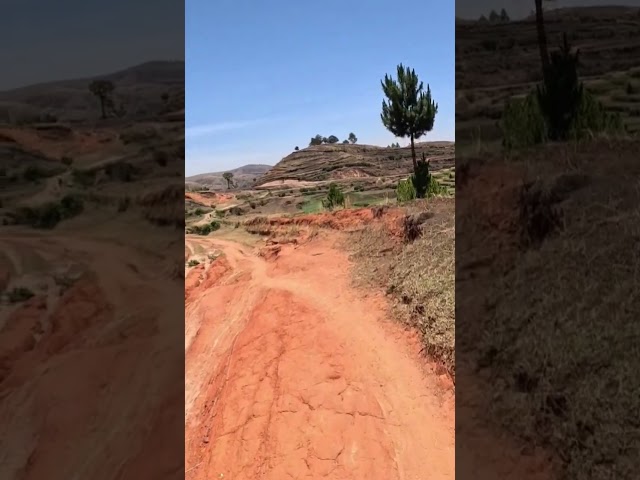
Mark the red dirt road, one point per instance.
(292, 374)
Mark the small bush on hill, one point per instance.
(47, 216)
(334, 197)
(193, 263)
(206, 229)
(19, 294)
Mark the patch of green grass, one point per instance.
(312, 206)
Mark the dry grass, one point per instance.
(419, 275)
(553, 324)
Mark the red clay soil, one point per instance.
(338, 220)
(69, 397)
(291, 373)
(208, 199)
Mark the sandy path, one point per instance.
(292, 374)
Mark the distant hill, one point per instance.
(340, 161)
(243, 176)
(139, 89)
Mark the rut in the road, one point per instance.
(309, 382)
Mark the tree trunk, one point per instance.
(542, 39)
(413, 156)
(102, 99)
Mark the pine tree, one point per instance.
(410, 111)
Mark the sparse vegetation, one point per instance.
(205, 229)
(47, 216)
(19, 294)
(334, 198)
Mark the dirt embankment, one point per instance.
(77, 368)
(291, 373)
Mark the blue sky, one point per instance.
(264, 77)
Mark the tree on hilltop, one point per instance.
(352, 138)
(317, 140)
(228, 176)
(103, 90)
(504, 16)
(333, 139)
(409, 110)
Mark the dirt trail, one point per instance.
(292, 374)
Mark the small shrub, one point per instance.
(19, 294)
(193, 263)
(206, 229)
(220, 213)
(252, 205)
(522, 123)
(334, 197)
(198, 211)
(47, 216)
(405, 191)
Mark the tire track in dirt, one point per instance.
(292, 374)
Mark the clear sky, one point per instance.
(265, 76)
(45, 40)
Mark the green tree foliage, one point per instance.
(228, 176)
(334, 198)
(561, 92)
(317, 140)
(103, 90)
(560, 109)
(405, 191)
(493, 16)
(296, 149)
(522, 123)
(409, 111)
(352, 138)
(504, 16)
(345, 142)
(332, 139)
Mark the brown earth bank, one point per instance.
(291, 372)
(70, 401)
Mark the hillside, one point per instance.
(498, 61)
(244, 176)
(138, 89)
(340, 161)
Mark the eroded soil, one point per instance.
(292, 373)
